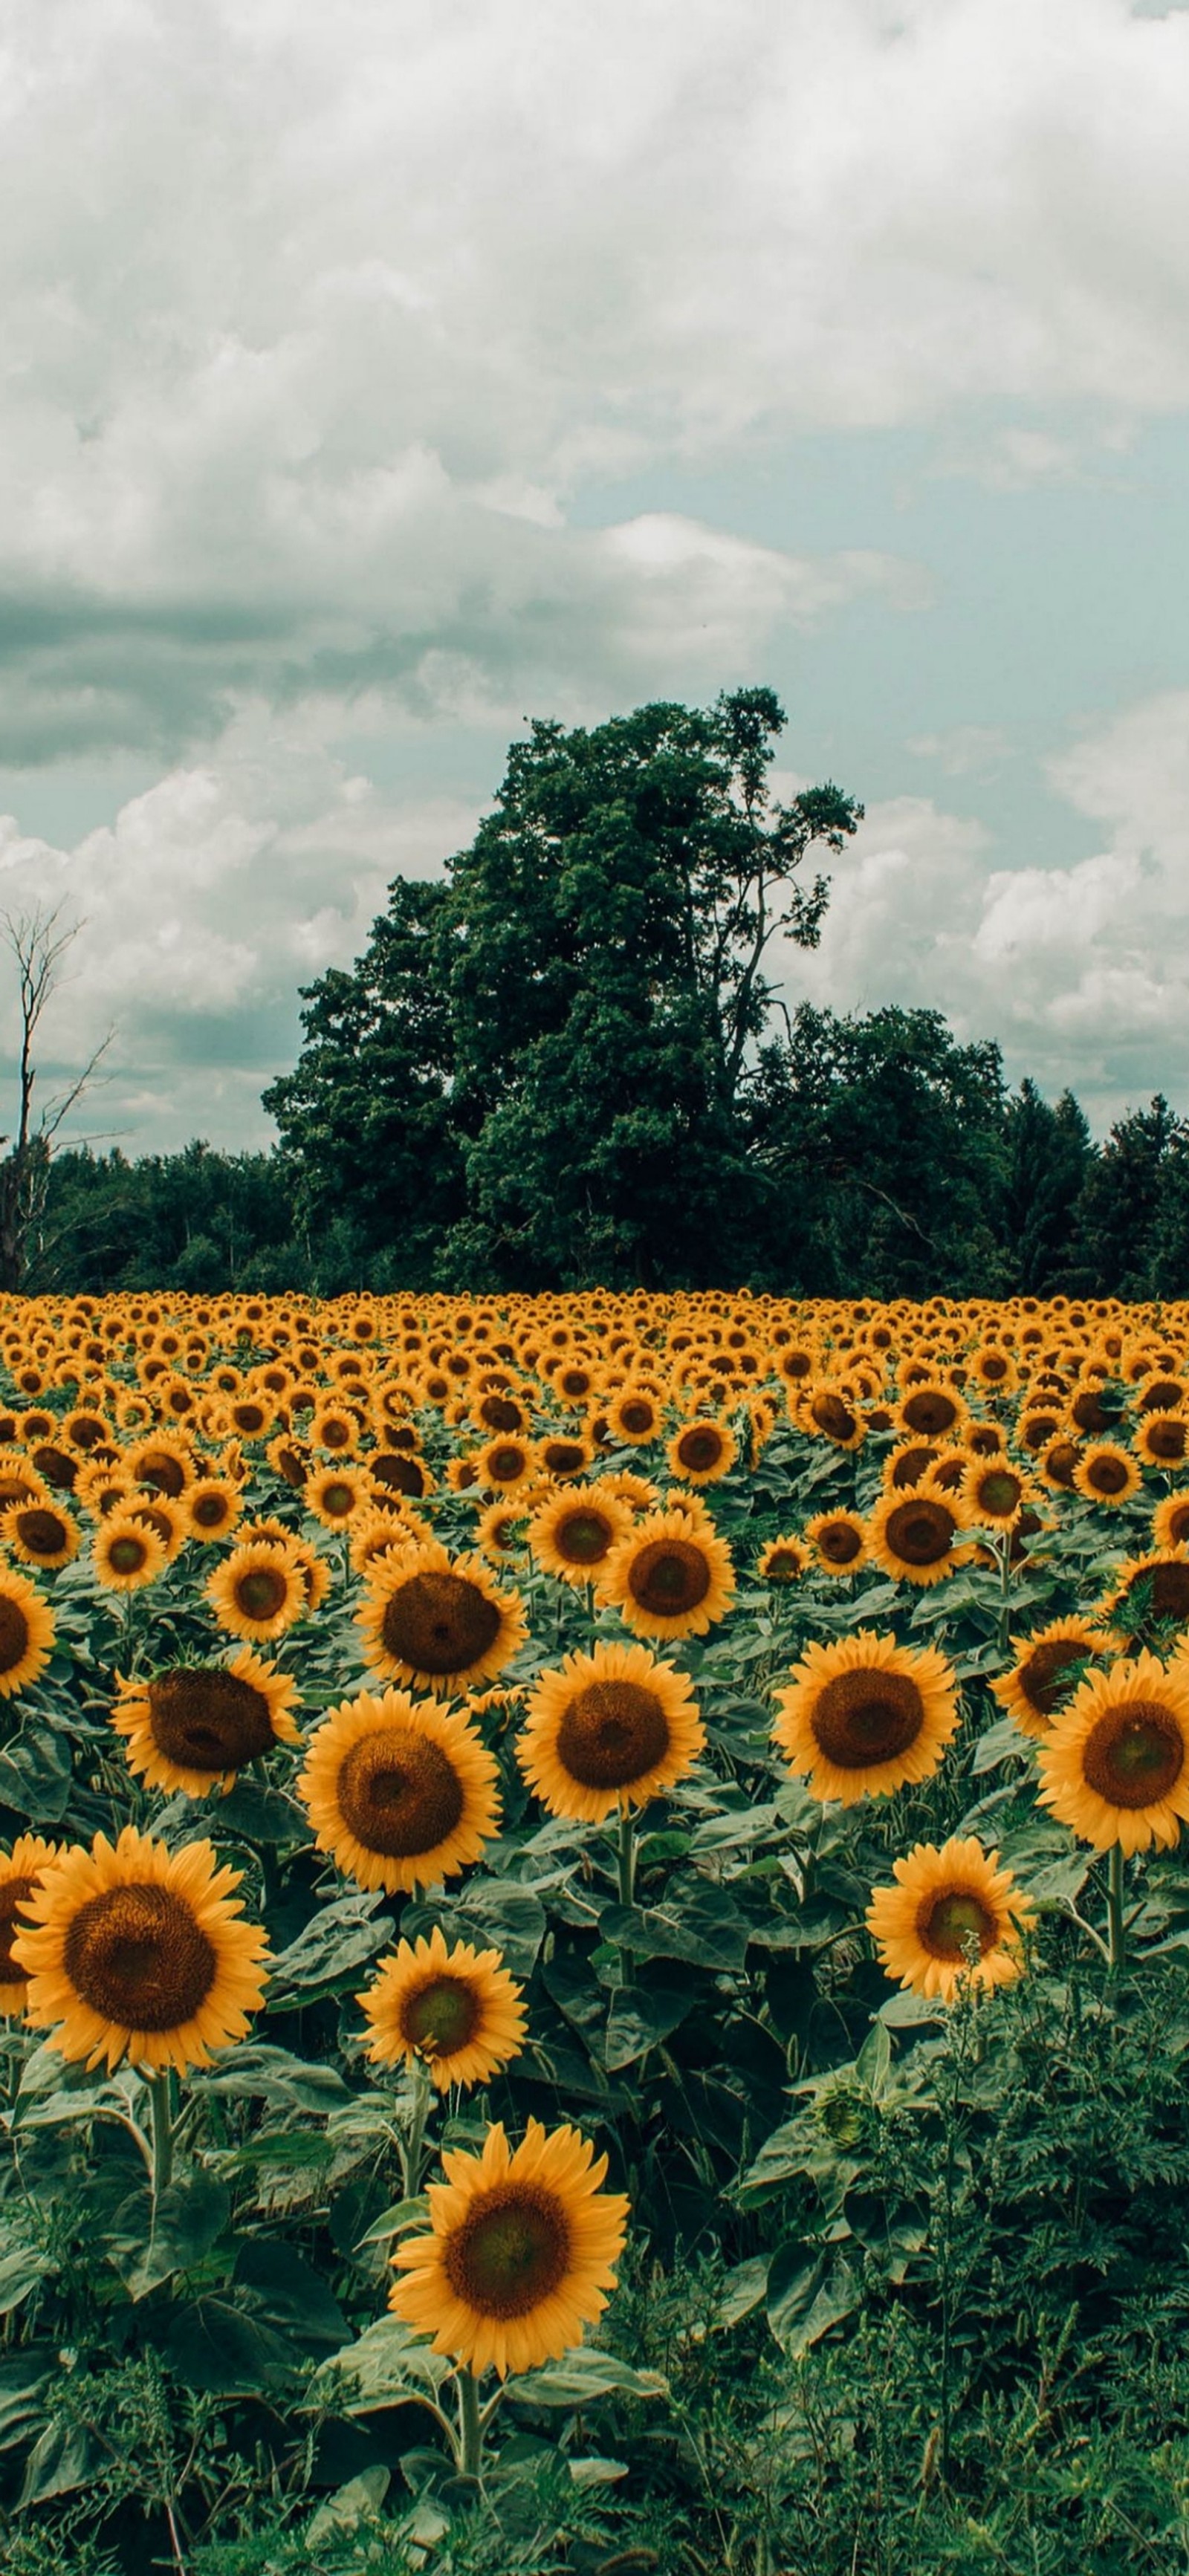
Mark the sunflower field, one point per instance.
(594, 1942)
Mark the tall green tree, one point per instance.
(1119, 1214)
(1048, 1155)
(557, 1042)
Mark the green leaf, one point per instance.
(1062, 1880)
(744, 2290)
(147, 2244)
(23, 2376)
(808, 2292)
(334, 1944)
(584, 2374)
(271, 2074)
(253, 2333)
(64, 2458)
(873, 2064)
(262, 1815)
(702, 1925)
(35, 1774)
(1001, 1743)
(641, 2016)
(359, 2501)
(387, 2364)
(498, 1913)
(20, 2272)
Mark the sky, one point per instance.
(374, 379)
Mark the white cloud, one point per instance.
(1081, 971)
(965, 751)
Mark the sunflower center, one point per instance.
(339, 1500)
(500, 1413)
(867, 1717)
(12, 1895)
(563, 1457)
(840, 1542)
(1165, 1438)
(670, 1576)
(611, 1734)
(1061, 1460)
(400, 1475)
(209, 1719)
(583, 1538)
(262, 1592)
(137, 1957)
(999, 1492)
(637, 1417)
(506, 1463)
(1170, 1590)
(1134, 1755)
(127, 1554)
(439, 1623)
(833, 1417)
(782, 1566)
(511, 2252)
(1042, 1677)
(920, 1532)
(14, 1633)
(701, 1448)
(1107, 1475)
(930, 1411)
(165, 1473)
(442, 2017)
(910, 1466)
(1178, 1525)
(210, 1510)
(948, 1923)
(399, 1793)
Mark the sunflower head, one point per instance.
(838, 1540)
(864, 1716)
(912, 1535)
(26, 1632)
(953, 1916)
(612, 1728)
(455, 2009)
(574, 1533)
(436, 1622)
(1048, 1669)
(401, 1793)
(783, 1560)
(20, 1873)
(259, 1590)
(520, 2252)
(193, 1727)
(1113, 1765)
(671, 1576)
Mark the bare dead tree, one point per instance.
(38, 944)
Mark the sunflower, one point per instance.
(501, 1531)
(26, 1632)
(168, 1518)
(455, 2010)
(333, 1495)
(574, 1532)
(565, 1454)
(289, 1458)
(702, 1451)
(838, 1540)
(193, 1727)
(126, 1553)
(166, 1465)
(400, 1792)
(135, 1954)
(995, 1493)
(20, 1873)
(671, 1576)
(933, 1410)
(634, 1416)
(783, 1560)
(1170, 1521)
(624, 1487)
(1162, 1440)
(213, 1506)
(394, 1472)
(432, 1620)
(912, 1536)
(1113, 1765)
(1107, 1473)
(506, 1462)
(909, 1463)
(40, 1534)
(1149, 1591)
(944, 1903)
(1045, 1672)
(862, 1717)
(1056, 1462)
(520, 2255)
(259, 1590)
(610, 1728)
(828, 1412)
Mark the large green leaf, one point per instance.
(253, 2333)
(809, 2290)
(584, 2374)
(268, 2074)
(22, 2268)
(35, 1774)
(701, 1924)
(149, 2241)
(387, 2365)
(640, 2016)
(335, 1943)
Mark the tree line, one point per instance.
(570, 1061)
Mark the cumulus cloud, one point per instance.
(1083, 970)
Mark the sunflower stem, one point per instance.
(470, 2424)
(1004, 1591)
(413, 2152)
(1116, 1927)
(161, 2127)
(626, 1856)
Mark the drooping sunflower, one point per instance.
(1045, 1672)
(40, 1534)
(702, 1451)
(193, 1727)
(453, 2008)
(259, 1591)
(860, 1718)
(26, 1632)
(1149, 1591)
(432, 1620)
(828, 1411)
(520, 2254)
(573, 1534)
(126, 1552)
(401, 1792)
(610, 1728)
(912, 1536)
(1056, 1462)
(20, 1873)
(943, 1904)
(671, 1576)
(1113, 1766)
(933, 1410)
(838, 1541)
(1107, 1473)
(783, 1560)
(137, 1954)
(1162, 1439)
(167, 1465)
